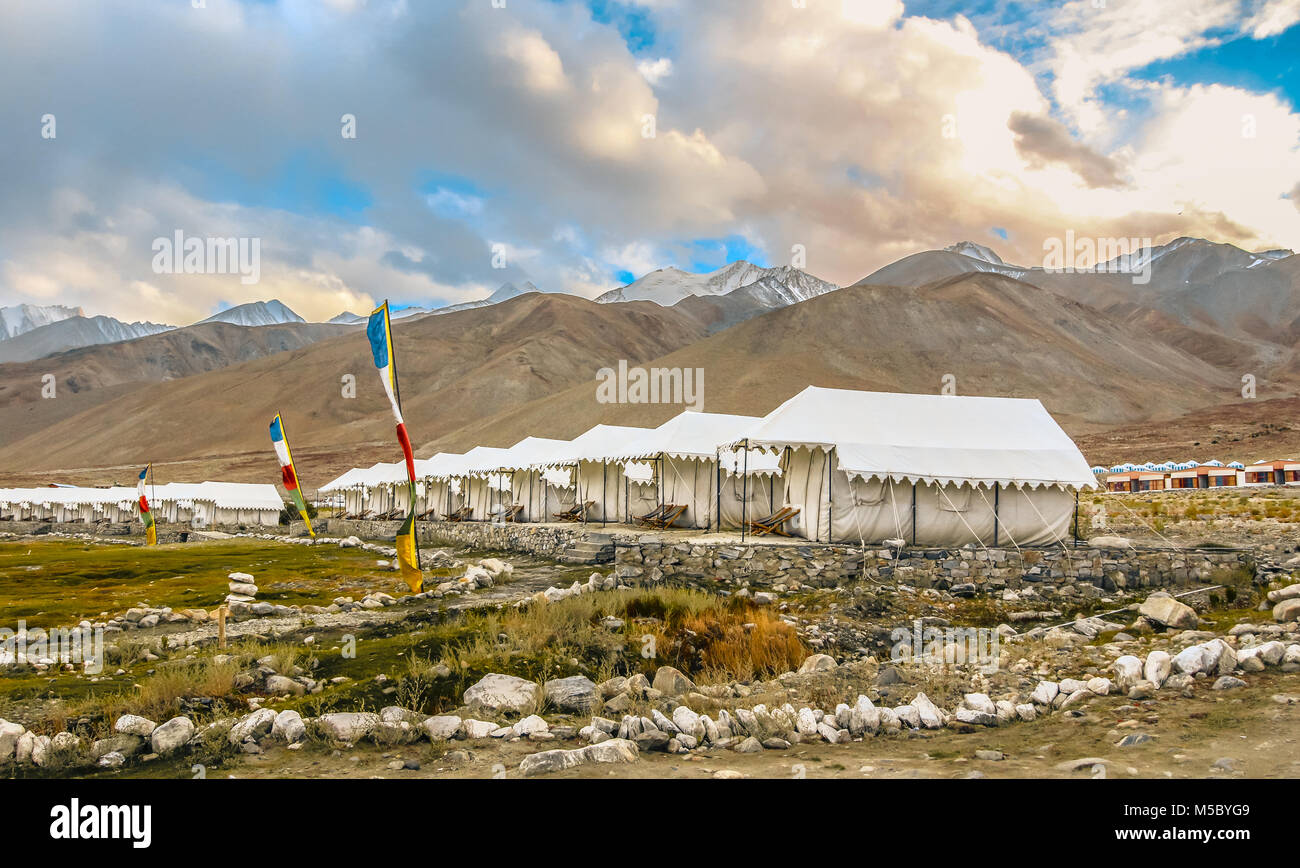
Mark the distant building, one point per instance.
(1285, 471)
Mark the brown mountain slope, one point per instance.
(89, 376)
(995, 335)
(455, 368)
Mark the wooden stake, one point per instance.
(221, 626)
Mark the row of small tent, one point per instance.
(845, 465)
(1165, 467)
(197, 504)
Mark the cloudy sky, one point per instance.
(581, 143)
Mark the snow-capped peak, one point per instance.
(256, 313)
(976, 251)
(509, 291)
(774, 287)
(22, 318)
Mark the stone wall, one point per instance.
(986, 570)
(542, 540)
(646, 557)
(167, 533)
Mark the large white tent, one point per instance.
(481, 489)
(928, 469)
(442, 487)
(517, 472)
(689, 470)
(597, 473)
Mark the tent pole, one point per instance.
(913, 512)
(996, 489)
(604, 486)
(830, 497)
(744, 495)
(1076, 518)
(717, 487)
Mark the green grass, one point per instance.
(59, 582)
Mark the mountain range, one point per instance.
(1120, 364)
(44, 330)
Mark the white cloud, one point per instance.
(655, 71)
(1273, 18)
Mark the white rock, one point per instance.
(289, 726)
(978, 718)
(1045, 692)
(1164, 609)
(614, 750)
(1157, 667)
(865, 717)
(1072, 685)
(1128, 671)
(1218, 657)
(1190, 660)
(1287, 610)
(9, 735)
(347, 726)
(478, 728)
(443, 727)
(529, 725)
(931, 717)
(134, 724)
(818, 663)
(805, 723)
(689, 722)
(980, 702)
(498, 692)
(171, 736)
(1272, 652)
(1099, 686)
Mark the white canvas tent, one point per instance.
(598, 476)
(480, 488)
(517, 472)
(929, 469)
(201, 504)
(684, 455)
(442, 490)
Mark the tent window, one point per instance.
(952, 498)
(867, 492)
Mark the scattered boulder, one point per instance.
(818, 663)
(1157, 667)
(347, 726)
(253, 726)
(671, 682)
(289, 726)
(1164, 609)
(9, 735)
(1287, 610)
(496, 692)
(1128, 671)
(576, 693)
(134, 724)
(171, 736)
(443, 727)
(1045, 693)
(614, 750)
